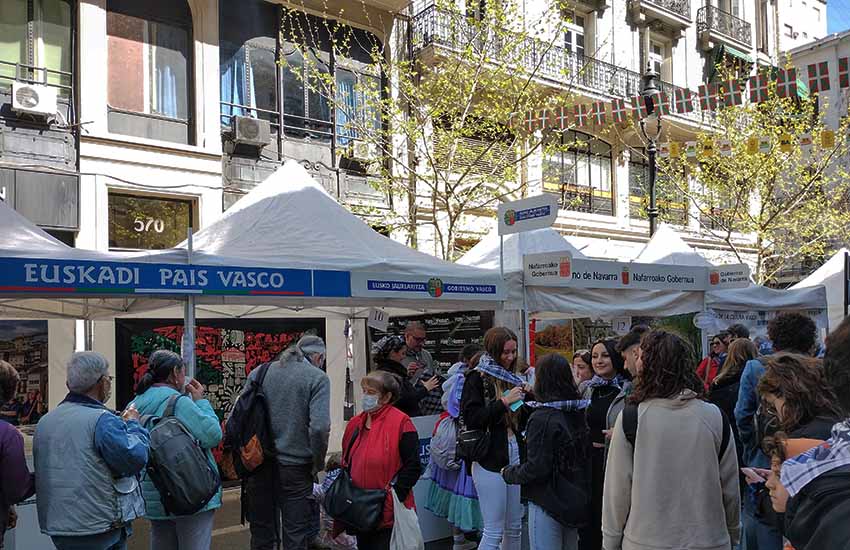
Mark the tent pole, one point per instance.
(502, 256)
(846, 281)
(188, 343)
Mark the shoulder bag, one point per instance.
(359, 510)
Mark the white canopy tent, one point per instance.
(833, 277)
(668, 247)
(289, 221)
(23, 241)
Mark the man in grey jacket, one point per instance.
(87, 460)
(298, 394)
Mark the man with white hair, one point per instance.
(87, 460)
(298, 394)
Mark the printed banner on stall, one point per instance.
(560, 269)
(413, 287)
(36, 276)
(528, 214)
(756, 321)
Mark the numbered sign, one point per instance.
(378, 320)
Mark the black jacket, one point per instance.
(482, 409)
(817, 428)
(408, 401)
(817, 517)
(725, 395)
(556, 472)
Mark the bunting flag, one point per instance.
(675, 149)
(708, 97)
(732, 93)
(764, 145)
(725, 147)
(786, 82)
(752, 145)
(640, 107)
(582, 115)
(691, 149)
(661, 103)
(663, 150)
(786, 143)
(843, 72)
(531, 121)
(619, 111)
(550, 119)
(759, 88)
(708, 148)
(684, 100)
(819, 77)
(563, 118)
(599, 113)
(806, 141)
(827, 139)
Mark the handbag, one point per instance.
(359, 510)
(406, 535)
(472, 444)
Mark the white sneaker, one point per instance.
(466, 545)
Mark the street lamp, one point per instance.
(650, 128)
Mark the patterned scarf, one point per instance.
(597, 380)
(566, 406)
(799, 471)
(488, 366)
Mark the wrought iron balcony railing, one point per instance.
(454, 31)
(710, 18)
(679, 7)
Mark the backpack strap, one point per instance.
(262, 370)
(172, 403)
(630, 422)
(347, 456)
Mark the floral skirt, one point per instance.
(452, 495)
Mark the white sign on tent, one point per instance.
(527, 214)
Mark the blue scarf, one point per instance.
(799, 471)
(597, 380)
(566, 406)
(488, 366)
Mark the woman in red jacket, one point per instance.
(384, 447)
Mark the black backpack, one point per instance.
(630, 424)
(177, 465)
(248, 434)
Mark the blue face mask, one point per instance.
(369, 403)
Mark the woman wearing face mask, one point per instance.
(166, 377)
(381, 449)
(489, 392)
(609, 379)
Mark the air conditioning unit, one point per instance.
(250, 131)
(362, 151)
(33, 99)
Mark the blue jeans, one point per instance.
(111, 540)
(755, 534)
(500, 504)
(546, 533)
(183, 533)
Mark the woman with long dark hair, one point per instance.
(487, 403)
(555, 477)
(724, 388)
(609, 378)
(672, 479)
(164, 379)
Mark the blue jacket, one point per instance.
(199, 418)
(745, 414)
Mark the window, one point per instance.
(36, 34)
(817, 14)
(149, 63)
(671, 203)
(762, 29)
(789, 31)
(251, 80)
(148, 223)
(656, 56)
(574, 36)
(580, 173)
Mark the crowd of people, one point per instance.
(634, 445)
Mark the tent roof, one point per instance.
(831, 276)
(668, 247)
(485, 254)
(290, 221)
(23, 239)
(760, 298)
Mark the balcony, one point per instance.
(674, 15)
(717, 26)
(556, 66)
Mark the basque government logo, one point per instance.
(435, 287)
(510, 217)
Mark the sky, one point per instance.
(838, 12)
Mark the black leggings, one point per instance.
(377, 540)
(590, 537)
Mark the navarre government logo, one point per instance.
(435, 287)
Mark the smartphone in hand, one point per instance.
(752, 476)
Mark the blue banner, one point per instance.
(33, 276)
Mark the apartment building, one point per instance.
(123, 124)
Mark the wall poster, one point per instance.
(23, 344)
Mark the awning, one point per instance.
(735, 53)
(722, 50)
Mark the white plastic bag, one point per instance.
(406, 532)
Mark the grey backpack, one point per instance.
(177, 464)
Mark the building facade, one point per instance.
(141, 129)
